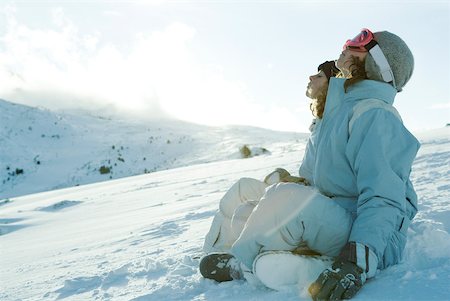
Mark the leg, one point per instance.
(240, 217)
(289, 215)
(221, 235)
(246, 189)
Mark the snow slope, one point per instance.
(42, 150)
(140, 238)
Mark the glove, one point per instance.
(342, 281)
(282, 175)
(293, 179)
(276, 176)
(347, 275)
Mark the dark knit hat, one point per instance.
(329, 68)
(397, 54)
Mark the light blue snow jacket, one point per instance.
(366, 171)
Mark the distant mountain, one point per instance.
(43, 150)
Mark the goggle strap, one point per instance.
(370, 45)
(381, 61)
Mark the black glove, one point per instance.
(344, 279)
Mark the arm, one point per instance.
(380, 151)
(306, 169)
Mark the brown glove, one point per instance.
(293, 179)
(276, 176)
(282, 175)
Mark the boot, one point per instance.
(220, 267)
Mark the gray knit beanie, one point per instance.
(398, 55)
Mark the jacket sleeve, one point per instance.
(381, 152)
(306, 169)
(307, 166)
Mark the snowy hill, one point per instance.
(42, 150)
(140, 238)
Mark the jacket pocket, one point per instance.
(396, 244)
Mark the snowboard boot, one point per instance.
(220, 267)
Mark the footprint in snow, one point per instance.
(200, 215)
(84, 284)
(166, 229)
(78, 285)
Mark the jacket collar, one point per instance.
(362, 90)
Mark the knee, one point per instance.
(240, 217)
(243, 190)
(251, 189)
(249, 182)
(288, 189)
(288, 193)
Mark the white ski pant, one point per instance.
(234, 209)
(289, 215)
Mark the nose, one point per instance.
(311, 77)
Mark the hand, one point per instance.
(293, 179)
(342, 281)
(282, 175)
(276, 176)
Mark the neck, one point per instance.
(346, 73)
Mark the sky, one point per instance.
(210, 62)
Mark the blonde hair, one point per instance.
(358, 72)
(317, 106)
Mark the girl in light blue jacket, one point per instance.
(239, 201)
(361, 201)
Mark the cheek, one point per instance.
(361, 55)
(340, 62)
(323, 87)
(344, 62)
(311, 91)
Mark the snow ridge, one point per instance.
(43, 150)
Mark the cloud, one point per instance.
(157, 75)
(112, 13)
(62, 68)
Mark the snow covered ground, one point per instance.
(140, 237)
(43, 150)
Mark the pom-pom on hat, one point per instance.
(397, 54)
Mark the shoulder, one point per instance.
(370, 104)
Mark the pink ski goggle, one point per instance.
(363, 42)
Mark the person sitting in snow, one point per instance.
(361, 201)
(240, 200)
